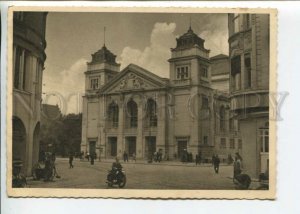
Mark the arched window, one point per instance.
(19, 140)
(132, 113)
(113, 114)
(222, 118)
(152, 113)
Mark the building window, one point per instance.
(182, 72)
(37, 77)
(247, 63)
(25, 69)
(231, 146)
(204, 103)
(204, 72)
(236, 25)
(264, 140)
(205, 140)
(236, 73)
(152, 113)
(18, 67)
(247, 21)
(240, 145)
(231, 125)
(132, 112)
(223, 143)
(222, 118)
(113, 114)
(94, 83)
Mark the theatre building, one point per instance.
(136, 111)
(28, 64)
(249, 86)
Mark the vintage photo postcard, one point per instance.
(141, 102)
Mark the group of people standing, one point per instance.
(90, 158)
(126, 157)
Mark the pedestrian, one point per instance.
(159, 156)
(87, 156)
(92, 156)
(48, 168)
(81, 155)
(237, 166)
(213, 159)
(216, 163)
(229, 159)
(155, 156)
(53, 159)
(42, 156)
(125, 156)
(133, 157)
(71, 157)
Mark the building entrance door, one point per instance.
(92, 147)
(130, 146)
(19, 142)
(112, 146)
(182, 148)
(150, 147)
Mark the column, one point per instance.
(161, 125)
(139, 137)
(121, 124)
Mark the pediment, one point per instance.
(134, 78)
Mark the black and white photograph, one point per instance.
(141, 102)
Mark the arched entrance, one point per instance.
(36, 144)
(132, 114)
(19, 141)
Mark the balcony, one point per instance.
(182, 82)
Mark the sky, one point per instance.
(144, 39)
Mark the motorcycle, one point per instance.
(116, 177)
(18, 179)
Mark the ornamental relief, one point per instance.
(131, 81)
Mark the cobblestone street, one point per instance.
(140, 175)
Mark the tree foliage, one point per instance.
(61, 135)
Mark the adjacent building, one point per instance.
(220, 73)
(28, 64)
(138, 112)
(249, 86)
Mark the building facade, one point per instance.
(28, 63)
(220, 72)
(136, 111)
(249, 86)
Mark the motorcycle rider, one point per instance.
(115, 169)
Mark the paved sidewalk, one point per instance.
(140, 175)
(166, 163)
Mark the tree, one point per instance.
(62, 135)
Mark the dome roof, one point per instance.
(189, 40)
(103, 55)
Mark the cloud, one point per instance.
(68, 85)
(154, 57)
(215, 34)
(66, 88)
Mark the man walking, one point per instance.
(71, 157)
(216, 163)
(92, 158)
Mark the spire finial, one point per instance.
(190, 23)
(104, 36)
